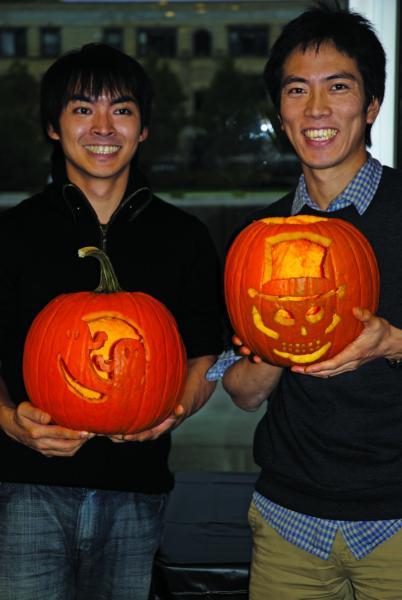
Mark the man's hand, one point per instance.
(243, 350)
(375, 341)
(33, 428)
(172, 421)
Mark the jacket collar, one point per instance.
(136, 198)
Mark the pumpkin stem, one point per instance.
(108, 282)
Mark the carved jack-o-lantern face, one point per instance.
(300, 287)
(297, 322)
(115, 351)
(107, 361)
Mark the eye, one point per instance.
(123, 111)
(314, 314)
(339, 87)
(82, 110)
(284, 317)
(294, 91)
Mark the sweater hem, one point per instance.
(380, 504)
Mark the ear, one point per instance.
(143, 135)
(372, 111)
(52, 133)
(280, 120)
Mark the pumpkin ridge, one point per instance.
(42, 342)
(165, 375)
(252, 237)
(136, 415)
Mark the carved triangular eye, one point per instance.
(314, 314)
(284, 317)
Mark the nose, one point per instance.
(317, 104)
(303, 330)
(102, 124)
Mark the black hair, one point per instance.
(92, 70)
(349, 32)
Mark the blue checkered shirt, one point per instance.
(359, 192)
(309, 533)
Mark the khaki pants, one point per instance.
(281, 571)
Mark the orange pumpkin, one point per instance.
(291, 284)
(106, 361)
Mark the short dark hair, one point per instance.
(92, 70)
(349, 32)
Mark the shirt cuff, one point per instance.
(225, 360)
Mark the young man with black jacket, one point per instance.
(80, 515)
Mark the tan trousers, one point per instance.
(281, 571)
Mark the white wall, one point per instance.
(383, 16)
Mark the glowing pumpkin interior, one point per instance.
(115, 344)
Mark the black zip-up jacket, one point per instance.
(154, 248)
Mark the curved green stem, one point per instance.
(108, 282)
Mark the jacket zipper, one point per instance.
(103, 232)
(104, 228)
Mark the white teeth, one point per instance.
(320, 134)
(102, 149)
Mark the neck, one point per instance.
(324, 185)
(104, 195)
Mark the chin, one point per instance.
(320, 163)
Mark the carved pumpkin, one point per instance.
(291, 284)
(106, 361)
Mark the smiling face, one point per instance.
(322, 110)
(99, 137)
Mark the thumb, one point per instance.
(27, 410)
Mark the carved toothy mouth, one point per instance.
(298, 353)
(304, 358)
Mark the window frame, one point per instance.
(113, 30)
(166, 52)
(195, 42)
(20, 46)
(55, 53)
(247, 30)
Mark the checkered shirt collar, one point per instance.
(359, 192)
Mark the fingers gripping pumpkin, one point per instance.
(106, 361)
(291, 284)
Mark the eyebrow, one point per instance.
(91, 100)
(334, 76)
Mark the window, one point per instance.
(202, 43)
(248, 41)
(198, 100)
(50, 45)
(160, 41)
(13, 43)
(114, 38)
